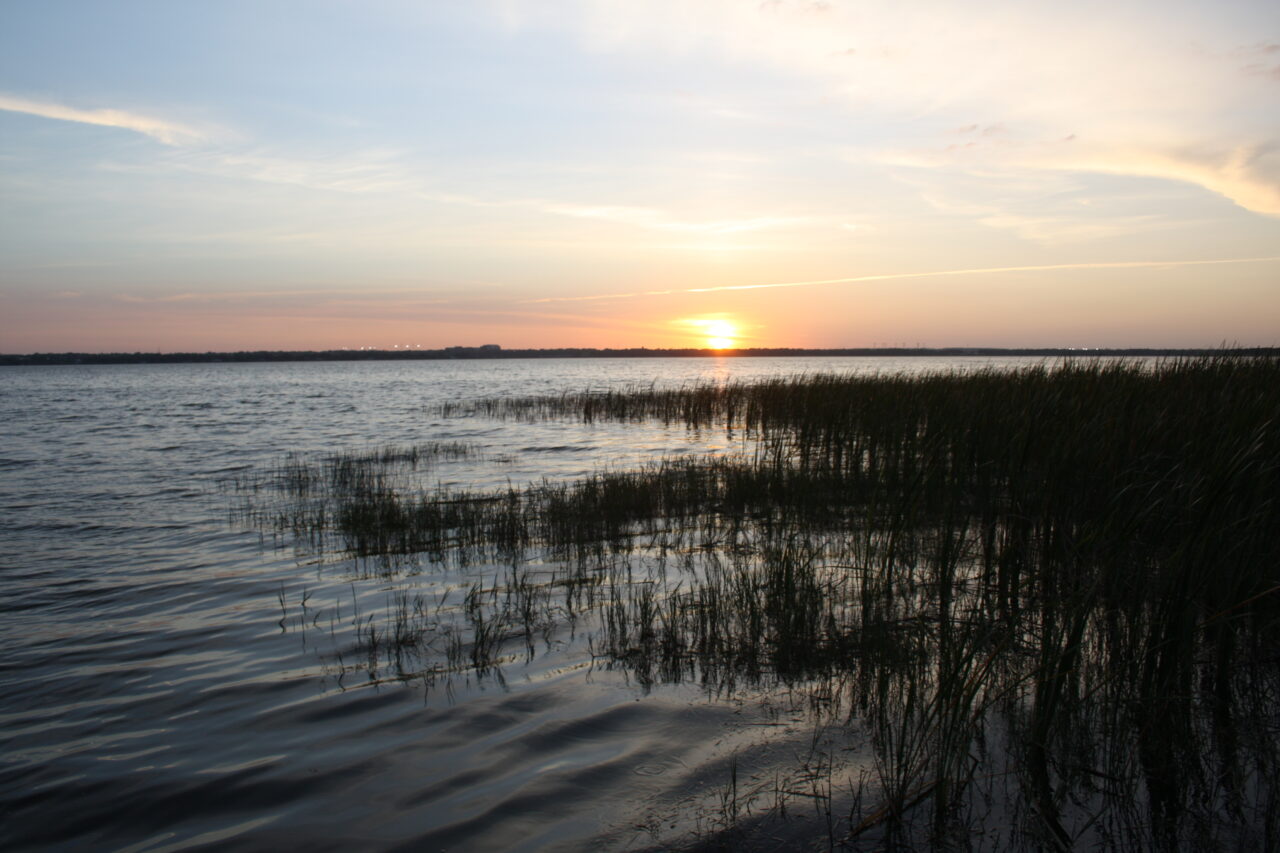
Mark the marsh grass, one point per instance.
(1050, 594)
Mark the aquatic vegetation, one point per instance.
(1050, 596)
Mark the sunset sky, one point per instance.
(312, 175)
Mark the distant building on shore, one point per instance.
(483, 349)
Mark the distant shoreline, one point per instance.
(492, 352)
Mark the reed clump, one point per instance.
(1077, 563)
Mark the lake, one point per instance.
(174, 677)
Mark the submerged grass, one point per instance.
(1051, 593)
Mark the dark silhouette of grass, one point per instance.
(1078, 563)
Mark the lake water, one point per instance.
(169, 679)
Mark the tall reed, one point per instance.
(1078, 562)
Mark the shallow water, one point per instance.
(170, 679)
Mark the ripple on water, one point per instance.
(156, 693)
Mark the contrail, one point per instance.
(902, 275)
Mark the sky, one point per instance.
(668, 173)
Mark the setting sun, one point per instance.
(714, 332)
(721, 334)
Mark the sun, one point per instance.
(721, 334)
(715, 332)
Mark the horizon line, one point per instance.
(474, 353)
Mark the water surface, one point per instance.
(172, 679)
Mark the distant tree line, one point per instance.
(494, 352)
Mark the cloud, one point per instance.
(1247, 174)
(401, 296)
(395, 304)
(1048, 206)
(1010, 80)
(394, 173)
(918, 275)
(645, 217)
(167, 132)
(1059, 230)
(352, 172)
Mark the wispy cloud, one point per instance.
(1188, 102)
(396, 174)
(664, 221)
(368, 171)
(414, 295)
(396, 304)
(1061, 230)
(162, 130)
(915, 275)
(1247, 174)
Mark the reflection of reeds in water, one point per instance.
(1080, 562)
